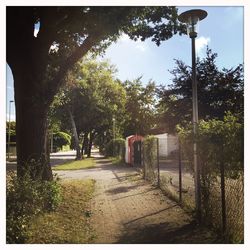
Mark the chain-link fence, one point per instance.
(150, 160)
(168, 163)
(166, 166)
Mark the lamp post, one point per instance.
(9, 130)
(114, 133)
(191, 19)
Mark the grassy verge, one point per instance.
(70, 222)
(74, 165)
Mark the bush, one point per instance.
(26, 198)
(115, 148)
(220, 145)
(150, 158)
(218, 141)
(60, 139)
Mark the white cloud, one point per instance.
(201, 43)
(138, 45)
(124, 38)
(141, 47)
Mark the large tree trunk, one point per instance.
(28, 59)
(91, 137)
(76, 139)
(84, 143)
(31, 130)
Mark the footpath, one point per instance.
(126, 209)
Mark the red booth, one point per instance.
(133, 149)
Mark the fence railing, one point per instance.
(166, 163)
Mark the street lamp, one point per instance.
(191, 19)
(113, 119)
(114, 127)
(9, 130)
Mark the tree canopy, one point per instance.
(39, 63)
(218, 91)
(140, 107)
(93, 96)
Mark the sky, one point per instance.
(222, 30)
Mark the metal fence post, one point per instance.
(158, 163)
(180, 172)
(223, 196)
(143, 160)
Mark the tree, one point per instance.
(92, 97)
(140, 112)
(39, 64)
(219, 91)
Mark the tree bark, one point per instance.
(85, 143)
(91, 137)
(31, 130)
(76, 139)
(28, 59)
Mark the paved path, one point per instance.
(125, 209)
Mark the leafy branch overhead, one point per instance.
(40, 63)
(68, 33)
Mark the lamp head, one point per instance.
(191, 18)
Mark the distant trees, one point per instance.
(218, 91)
(39, 64)
(91, 99)
(140, 107)
(102, 108)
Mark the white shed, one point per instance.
(167, 144)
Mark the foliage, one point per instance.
(25, 199)
(69, 223)
(65, 35)
(219, 141)
(60, 139)
(116, 148)
(220, 145)
(94, 97)
(11, 129)
(150, 158)
(74, 165)
(140, 111)
(218, 90)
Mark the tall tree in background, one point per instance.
(92, 97)
(140, 111)
(39, 64)
(218, 91)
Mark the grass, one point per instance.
(70, 222)
(74, 165)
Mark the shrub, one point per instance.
(150, 158)
(60, 139)
(219, 146)
(218, 141)
(26, 198)
(115, 148)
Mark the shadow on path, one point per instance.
(167, 233)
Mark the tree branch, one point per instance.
(55, 84)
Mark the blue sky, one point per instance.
(222, 31)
